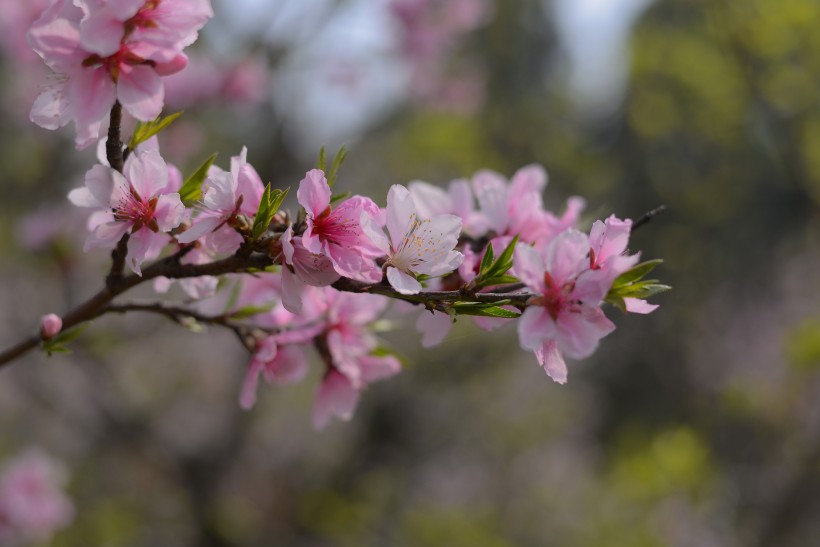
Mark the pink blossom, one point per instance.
(32, 504)
(349, 340)
(336, 397)
(434, 327)
(517, 208)
(136, 202)
(608, 259)
(266, 290)
(432, 30)
(349, 351)
(244, 83)
(99, 59)
(416, 245)
(225, 195)
(565, 318)
(458, 200)
(50, 325)
(47, 227)
(569, 219)
(156, 30)
(195, 287)
(279, 365)
(337, 232)
(608, 241)
(302, 267)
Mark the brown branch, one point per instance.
(174, 313)
(178, 315)
(646, 217)
(118, 256)
(430, 297)
(113, 146)
(170, 267)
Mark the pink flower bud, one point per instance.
(50, 325)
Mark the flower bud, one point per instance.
(50, 326)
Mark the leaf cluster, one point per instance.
(268, 207)
(58, 344)
(493, 271)
(332, 173)
(145, 130)
(631, 284)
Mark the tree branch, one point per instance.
(113, 146)
(170, 267)
(646, 217)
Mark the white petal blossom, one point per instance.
(416, 245)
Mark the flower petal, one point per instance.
(201, 226)
(567, 256)
(101, 33)
(169, 212)
(528, 266)
(336, 397)
(636, 305)
(292, 288)
(491, 191)
(400, 213)
(140, 90)
(51, 109)
(314, 192)
(534, 326)
(147, 172)
(550, 358)
(402, 282)
(434, 328)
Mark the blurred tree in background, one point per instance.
(698, 427)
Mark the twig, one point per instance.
(118, 256)
(170, 267)
(646, 217)
(113, 146)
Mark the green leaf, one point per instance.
(250, 311)
(644, 290)
(382, 351)
(616, 301)
(145, 130)
(504, 260)
(486, 261)
(321, 163)
(491, 270)
(51, 348)
(641, 289)
(382, 325)
(335, 198)
(191, 190)
(71, 334)
(58, 343)
(500, 280)
(268, 206)
(636, 273)
(233, 297)
(484, 310)
(341, 155)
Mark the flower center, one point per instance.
(556, 299)
(113, 63)
(419, 245)
(133, 209)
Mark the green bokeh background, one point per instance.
(695, 426)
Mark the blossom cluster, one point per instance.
(32, 503)
(107, 51)
(485, 247)
(431, 31)
(424, 241)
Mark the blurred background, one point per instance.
(697, 425)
